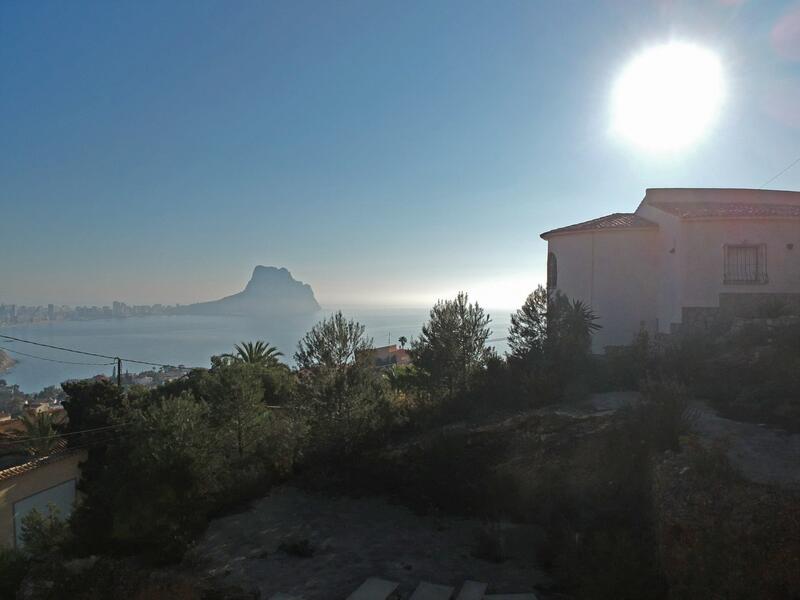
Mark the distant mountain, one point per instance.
(270, 292)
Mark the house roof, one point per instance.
(59, 452)
(726, 210)
(609, 222)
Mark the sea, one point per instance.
(187, 340)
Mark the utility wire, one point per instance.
(64, 362)
(92, 443)
(5, 442)
(768, 181)
(15, 339)
(115, 358)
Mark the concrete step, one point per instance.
(472, 590)
(432, 591)
(374, 588)
(527, 596)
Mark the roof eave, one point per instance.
(739, 217)
(547, 234)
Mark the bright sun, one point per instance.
(668, 96)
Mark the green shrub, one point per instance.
(664, 414)
(624, 367)
(14, 565)
(44, 534)
(344, 408)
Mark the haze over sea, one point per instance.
(188, 340)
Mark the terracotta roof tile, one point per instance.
(612, 221)
(699, 210)
(36, 463)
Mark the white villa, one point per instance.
(683, 256)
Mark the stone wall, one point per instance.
(733, 306)
(758, 305)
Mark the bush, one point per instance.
(550, 340)
(14, 565)
(344, 409)
(624, 367)
(189, 449)
(663, 415)
(44, 534)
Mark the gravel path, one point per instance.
(354, 539)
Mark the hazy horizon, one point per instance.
(388, 155)
(328, 303)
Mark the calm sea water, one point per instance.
(186, 340)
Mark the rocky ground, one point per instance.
(319, 548)
(762, 454)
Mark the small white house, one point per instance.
(683, 256)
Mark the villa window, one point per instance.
(745, 264)
(552, 272)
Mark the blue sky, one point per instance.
(387, 153)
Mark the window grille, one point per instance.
(745, 264)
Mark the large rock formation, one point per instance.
(270, 292)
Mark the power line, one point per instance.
(115, 358)
(64, 362)
(15, 339)
(4, 443)
(768, 181)
(91, 443)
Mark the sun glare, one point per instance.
(666, 98)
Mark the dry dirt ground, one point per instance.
(353, 539)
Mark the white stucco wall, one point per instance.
(670, 266)
(703, 242)
(648, 276)
(692, 276)
(615, 273)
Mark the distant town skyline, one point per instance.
(387, 154)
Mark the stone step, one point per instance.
(432, 591)
(527, 596)
(374, 588)
(282, 596)
(472, 590)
